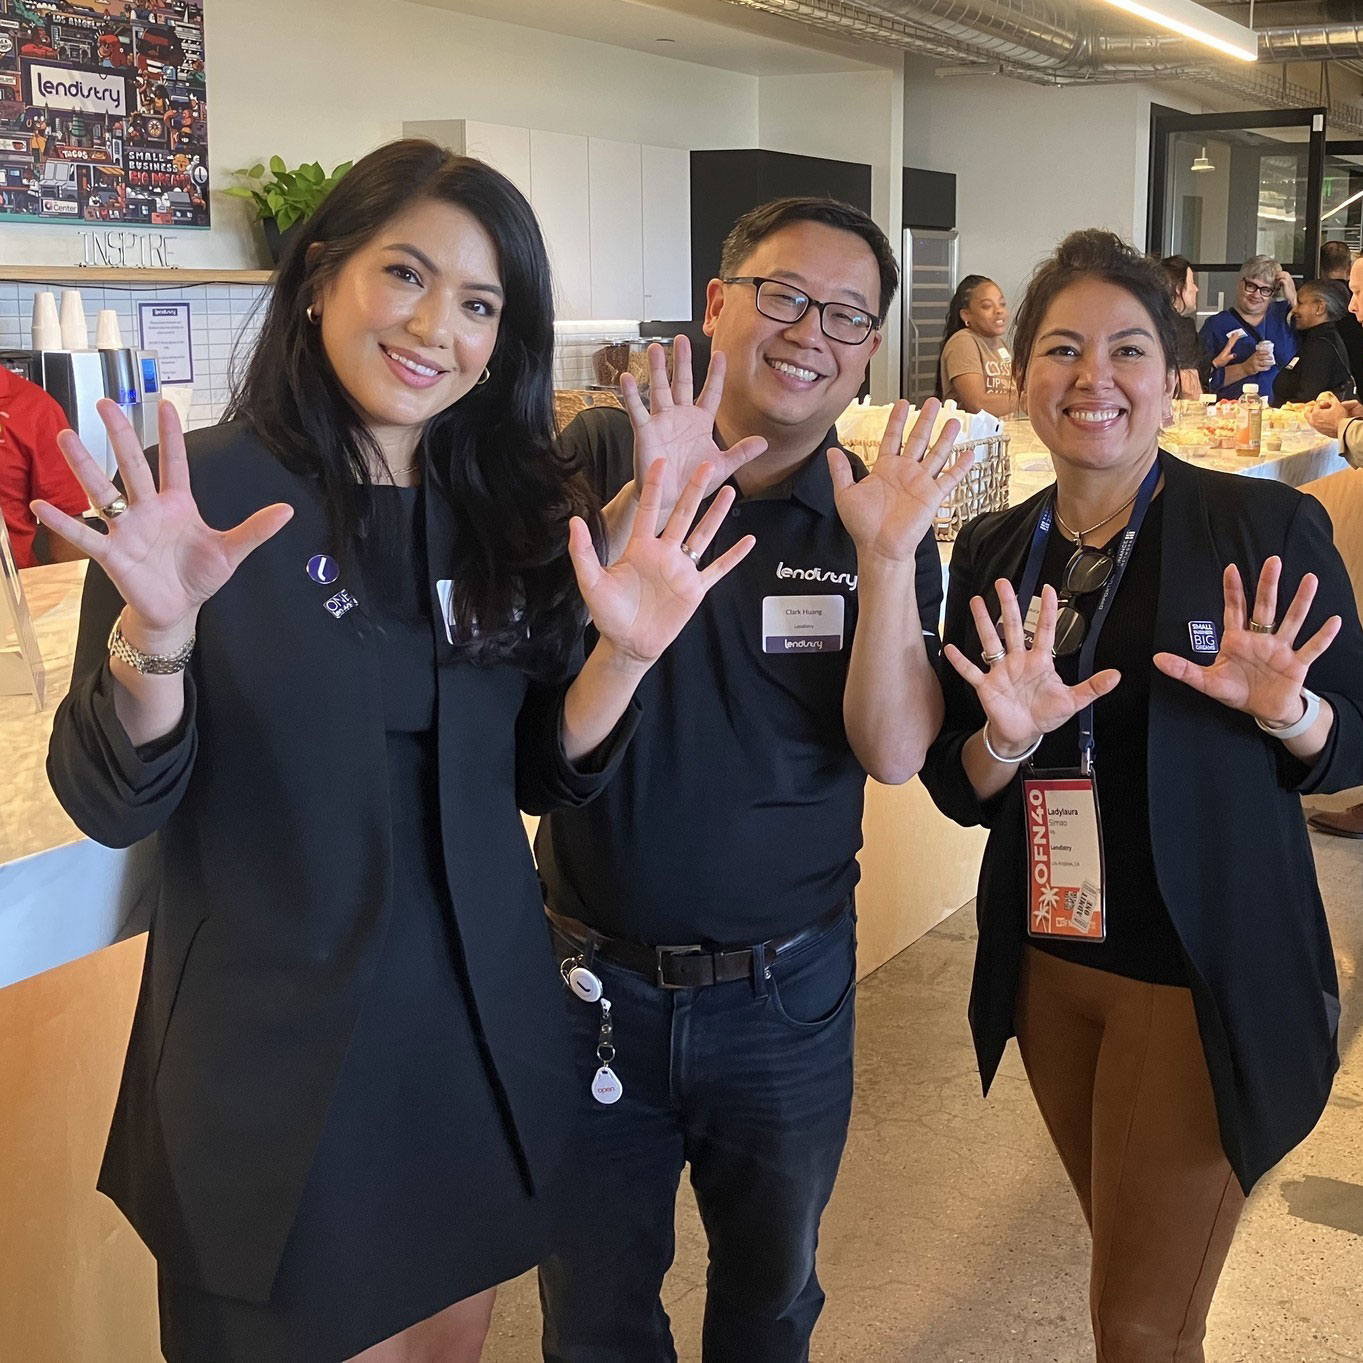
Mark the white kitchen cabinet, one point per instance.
(666, 233)
(504, 148)
(616, 192)
(559, 190)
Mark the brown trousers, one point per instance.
(1121, 1080)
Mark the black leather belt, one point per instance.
(689, 967)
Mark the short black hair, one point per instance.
(759, 223)
(1093, 253)
(1335, 255)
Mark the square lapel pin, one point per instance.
(1202, 636)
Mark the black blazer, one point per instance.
(1320, 365)
(270, 814)
(1230, 844)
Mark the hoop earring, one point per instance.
(487, 374)
(311, 315)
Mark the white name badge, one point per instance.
(1064, 859)
(802, 624)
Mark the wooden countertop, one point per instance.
(131, 278)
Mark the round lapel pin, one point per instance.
(323, 568)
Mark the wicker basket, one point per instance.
(984, 488)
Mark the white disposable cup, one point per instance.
(47, 330)
(108, 336)
(75, 329)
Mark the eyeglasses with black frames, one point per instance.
(781, 301)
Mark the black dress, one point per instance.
(414, 1200)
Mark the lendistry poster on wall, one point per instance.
(103, 112)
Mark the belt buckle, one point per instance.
(660, 952)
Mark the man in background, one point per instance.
(1336, 260)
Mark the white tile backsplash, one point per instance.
(225, 320)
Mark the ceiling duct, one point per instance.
(1047, 43)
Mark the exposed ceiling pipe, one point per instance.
(1034, 40)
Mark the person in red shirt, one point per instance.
(32, 467)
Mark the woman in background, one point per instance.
(975, 369)
(1321, 364)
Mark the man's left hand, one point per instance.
(889, 511)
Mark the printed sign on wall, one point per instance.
(103, 112)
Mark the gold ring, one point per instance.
(1256, 628)
(114, 509)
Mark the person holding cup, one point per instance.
(1252, 339)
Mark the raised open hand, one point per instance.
(1022, 694)
(888, 513)
(640, 603)
(158, 552)
(1259, 671)
(677, 432)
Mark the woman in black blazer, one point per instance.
(343, 1101)
(1321, 364)
(1176, 1004)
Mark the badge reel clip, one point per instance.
(585, 985)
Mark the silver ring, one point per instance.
(1256, 628)
(692, 554)
(992, 658)
(113, 510)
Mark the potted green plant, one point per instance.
(287, 198)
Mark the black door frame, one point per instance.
(1164, 121)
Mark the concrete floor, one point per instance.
(953, 1236)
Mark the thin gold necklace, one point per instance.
(1078, 535)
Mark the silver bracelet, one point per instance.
(999, 757)
(149, 664)
(1286, 731)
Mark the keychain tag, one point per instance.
(1066, 897)
(606, 1087)
(584, 984)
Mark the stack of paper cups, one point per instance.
(47, 331)
(107, 334)
(75, 330)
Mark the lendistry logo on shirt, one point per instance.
(817, 575)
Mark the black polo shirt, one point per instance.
(735, 815)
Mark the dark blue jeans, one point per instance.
(750, 1083)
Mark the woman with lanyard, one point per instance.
(325, 660)
(1165, 965)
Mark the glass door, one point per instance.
(1224, 187)
(1341, 209)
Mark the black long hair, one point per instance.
(960, 300)
(494, 455)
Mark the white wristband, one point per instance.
(999, 757)
(1302, 725)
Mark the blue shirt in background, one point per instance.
(1275, 327)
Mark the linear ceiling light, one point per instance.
(1192, 21)
(1352, 199)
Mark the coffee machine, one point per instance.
(78, 379)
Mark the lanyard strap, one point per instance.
(1031, 575)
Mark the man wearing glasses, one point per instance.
(709, 889)
(1251, 340)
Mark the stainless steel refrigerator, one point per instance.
(929, 279)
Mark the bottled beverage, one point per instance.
(1249, 421)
